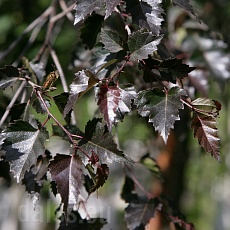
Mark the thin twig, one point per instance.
(63, 13)
(31, 40)
(46, 42)
(65, 8)
(13, 100)
(30, 27)
(59, 68)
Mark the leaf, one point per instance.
(83, 81)
(39, 106)
(147, 14)
(38, 69)
(61, 101)
(204, 125)
(111, 40)
(141, 44)
(100, 141)
(114, 102)
(86, 7)
(138, 213)
(128, 194)
(110, 5)
(29, 143)
(66, 171)
(173, 69)
(76, 222)
(161, 108)
(8, 75)
(184, 4)
(92, 27)
(100, 177)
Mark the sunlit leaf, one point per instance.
(161, 108)
(114, 102)
(83, 81)
(110, 5)
(204, 124)
(29, 143)
(100, 141)
(86, 7)
(147, 14)
(66, 171)
(141, 44)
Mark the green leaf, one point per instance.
(98, 140)
(8, 76)
(29, 143)
(66, 171)
(111, 40)
(161, 108)
(90, 30)
(141, 44)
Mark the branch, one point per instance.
(13, 100)
(37, 21)
(65, 8)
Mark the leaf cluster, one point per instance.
(123, 35)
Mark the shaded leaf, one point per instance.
(147, 14)
(111, 40)
(86, 7)
(161, 108)
(29, 143)
(92, 27)
(98, 139)
(173, 69)
(110, 5)
(101, 176)
(39, 106)
(8, 75)
(66, 171)
(76, 222)
(114, 102)
(128, 194)
(83, 81)
(138, 213)
(204, 123)
(61, 101)
(17, 110)
(141, 44)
